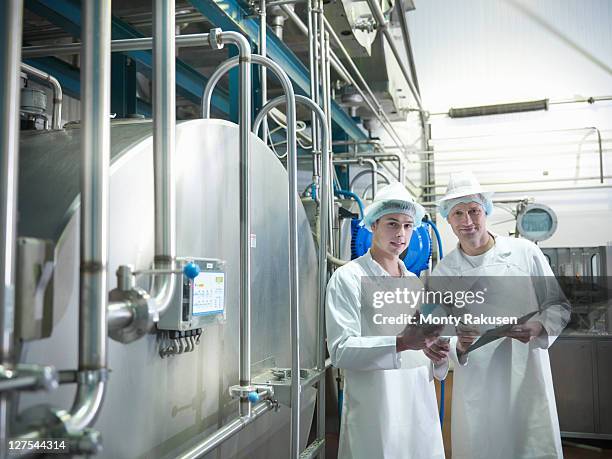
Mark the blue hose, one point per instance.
(443, 382)
(350, 194)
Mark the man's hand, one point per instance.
(466, 335)
(438, 351)
(416, 337)
(525, 332)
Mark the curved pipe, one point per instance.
(357, 199)
(95, 149)
(57, 91)
(325, 201)
(293, 197)
(164, 142)
(373, 171)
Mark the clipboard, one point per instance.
(498, 332)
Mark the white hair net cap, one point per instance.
(464, 187)
(393, 199)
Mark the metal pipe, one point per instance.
(337, 64)
(11, 20)
(382, 25)
(164, 144)
(216, 439)
(294, 196)
(373, 170)
(95, 148)
(57, 91)
(263, 29)
(518, 182)
(323, 236)
(316, 153)
(401, 10)
(306, 30)
(117, 46)
(244, 61)
(536, 190)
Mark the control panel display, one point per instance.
(208, 293)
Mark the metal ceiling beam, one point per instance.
(231, 15)
(67, 15)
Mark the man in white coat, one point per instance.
(503, 404)
(390, 409)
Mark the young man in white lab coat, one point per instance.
(390, 409)
(503, 404)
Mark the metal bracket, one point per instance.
(28, 377)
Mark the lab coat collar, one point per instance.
(501, 250)
(380, 271)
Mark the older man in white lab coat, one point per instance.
(503, 404)
(389, 409)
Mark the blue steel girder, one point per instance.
(230, 15)
(67, 15)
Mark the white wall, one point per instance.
(480, 52)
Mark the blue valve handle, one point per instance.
(191, 270)
(254, 397)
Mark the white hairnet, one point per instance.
(486, 203)
(393, 199)
(464, 187)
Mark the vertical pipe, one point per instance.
(245, 220)
(164, 138)
(264, 71)
(11, 19)
(324, 233)
(95, 150)
(313, 96)
(164, 115)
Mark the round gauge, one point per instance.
(536, 222)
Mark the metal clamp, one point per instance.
(254, 393)
(92, 376)
(214, 38)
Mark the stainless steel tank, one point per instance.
(155, 407)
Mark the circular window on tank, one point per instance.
(536, 222)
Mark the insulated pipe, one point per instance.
(11, 20)
(382, 25)
(164, 144)
(95, 149)
(57, 91)
(294, 195)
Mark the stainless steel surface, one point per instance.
(34, 289)
(95, 151)
(191, 390)
(57, 91)
(382, 25)
(581, 374)
(220, 436)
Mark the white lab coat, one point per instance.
(503, 403)
(390, 409)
